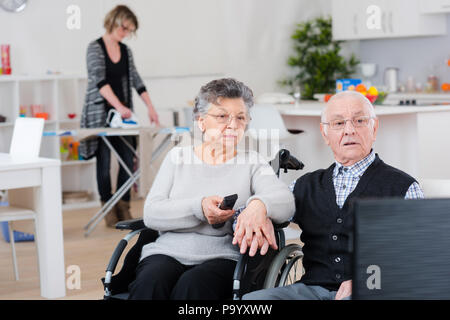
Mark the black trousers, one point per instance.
(160, 277)
(103, 156)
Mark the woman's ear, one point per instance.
(201, 124)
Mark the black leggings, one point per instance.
(160, 277)
(104, 162)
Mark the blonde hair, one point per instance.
(116, 16)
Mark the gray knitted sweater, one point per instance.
(173, 205)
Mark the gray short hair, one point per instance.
(221, 88)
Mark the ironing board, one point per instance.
(145, 156)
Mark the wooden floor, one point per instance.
(91, 254)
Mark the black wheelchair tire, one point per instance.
(279, 264)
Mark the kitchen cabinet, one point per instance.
(434, 6)
(372, 19)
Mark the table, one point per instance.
(35, 183)
(146, 157)
(411, 138)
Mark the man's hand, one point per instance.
(255, 245)
(254, 230)
(212, 212)
(345, 290)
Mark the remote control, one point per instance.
(227, 204)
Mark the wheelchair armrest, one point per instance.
(278, 226)
(132, 225)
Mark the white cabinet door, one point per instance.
(404, 19)
(345, 19)
(434, 6)
(359, 19)
(371, 19)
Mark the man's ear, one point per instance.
(375, 128)
(324, 135)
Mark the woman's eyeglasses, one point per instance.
(241, 120)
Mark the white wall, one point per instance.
(180, 45)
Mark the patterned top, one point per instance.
(94, 115)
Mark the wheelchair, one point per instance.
(276, 268)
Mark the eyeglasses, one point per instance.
(128, 29)
(241, 120)
(357, 122)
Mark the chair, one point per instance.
(249, 274)
(268, 129)
(26, 142)
(435, 188)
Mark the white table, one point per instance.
(36, 184)
(414, 139)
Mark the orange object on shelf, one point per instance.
(361, 88)
(327, 97)
(445, 86)
(43, 115)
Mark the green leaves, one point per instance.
(317, 60)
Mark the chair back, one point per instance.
(435, 188)
(267, 117)
(27, 136)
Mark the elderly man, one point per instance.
(323, 197)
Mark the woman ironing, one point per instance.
(111, 75)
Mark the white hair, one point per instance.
(349, 94)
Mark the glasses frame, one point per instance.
(353, 122)
(230, 117)
(127, 29)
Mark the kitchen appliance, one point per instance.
(391, 79)
(368, 70)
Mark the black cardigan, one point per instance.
(327, 229)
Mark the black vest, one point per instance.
(327, 229)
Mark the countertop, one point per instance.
(314, 109)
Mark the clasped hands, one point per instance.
(253, 229)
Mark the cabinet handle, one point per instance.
(355, 24)
(391, 28)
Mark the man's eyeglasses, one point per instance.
(241, 120)
(357, 122)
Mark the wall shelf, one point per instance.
(59, 95)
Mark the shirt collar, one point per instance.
(357, 169)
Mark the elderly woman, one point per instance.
(191, 259)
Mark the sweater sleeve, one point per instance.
(95, 61)
(275, 194)
(163, 213)
(136, 80)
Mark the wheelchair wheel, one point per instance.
(285, 268)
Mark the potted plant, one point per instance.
(317, 60)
